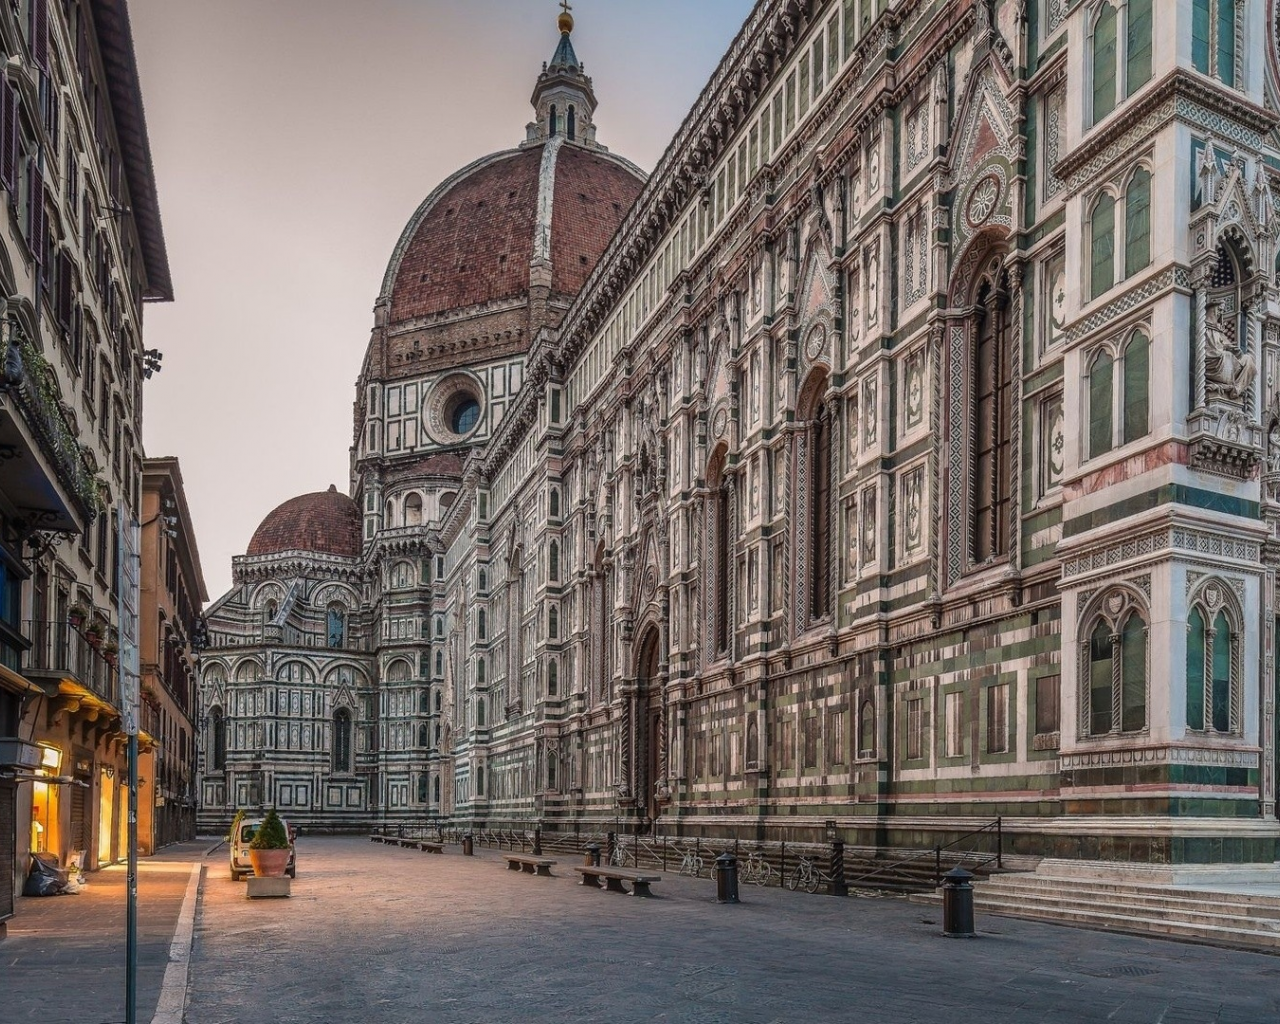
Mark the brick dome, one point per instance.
(472, 242)
(326, 523)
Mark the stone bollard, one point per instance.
(537, 841)
(726, 878)
(591, 855)
(957, 904)
(838, 886)
(468, 847)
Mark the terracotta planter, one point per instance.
(95, 639)
(269, 863)
(76, 619)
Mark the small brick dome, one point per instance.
(326, 523)
(473, 240)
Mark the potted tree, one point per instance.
(94, 633)
(269, 848)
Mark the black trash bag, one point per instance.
(46, 878)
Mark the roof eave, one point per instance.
(115, 42)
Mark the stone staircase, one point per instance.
(1231, 916)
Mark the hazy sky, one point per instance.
(292, 140)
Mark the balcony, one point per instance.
(42, 465)
(61, 656)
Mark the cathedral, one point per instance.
(901, 453)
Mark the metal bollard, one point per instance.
(957, 904)
(591, 855)
(468, 846)
(611, 845)
(537, 841)
(726, 878)
(838, 887)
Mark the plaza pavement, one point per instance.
(380, 935)
(63, 961)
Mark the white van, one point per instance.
(241, 866)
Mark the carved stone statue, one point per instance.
(1228, 371)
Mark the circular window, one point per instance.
(464, 415)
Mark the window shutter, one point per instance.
(1227, 42)
(8, 137)
(1104, 63)
(64, 288)
(35, 212)
(1200, 35)
(1137, 387)
(1195, 670)
(1137, 220)
(1100, 431)
(1102, 267)
(40, 34)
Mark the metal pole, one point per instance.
(131, 912)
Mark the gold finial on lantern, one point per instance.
(566, 19)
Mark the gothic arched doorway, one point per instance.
(649, 725)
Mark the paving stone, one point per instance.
(384, 936)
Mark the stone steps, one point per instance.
(1239, 920)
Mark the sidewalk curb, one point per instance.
(173, 991)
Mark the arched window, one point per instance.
(820, 535)
(481, 672)
(553, 679)
(218, 739)
(553, 623)
(551, 771)
(424, 735)
(553, 562)
(753, 743)
(336, 626)
(269, 611)
(1137, 222)
(1197, 648)
(1104, 62)
(1213, 39)
(1137, 66)
(436, 789)
(573, 122)
(422, 787)
(554, 503)
(1101, 433)
(484, 581)
(399, 671)
(482, 625)
(1137, 387)
(1212, 658)
(440, 626)
(342, 740)
(1114, 670)
(1102, 236)
(866, 729)
(413, 510)
(424, 702)
(388, 517)
(719, 587)
(438, 702)
(439, 663)
(991, 426)
(555, 121)
(480, 713)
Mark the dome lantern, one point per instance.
(563, 99)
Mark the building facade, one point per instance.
(171, 634)
(81, 250)
(907, 458)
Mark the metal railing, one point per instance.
(772, 860)
(57, 649)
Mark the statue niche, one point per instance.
(1225, 434)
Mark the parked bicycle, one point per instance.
(757, 870)
(691, 864)
(806, 875)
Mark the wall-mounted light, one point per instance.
(109, 771)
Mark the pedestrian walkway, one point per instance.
(64, 959)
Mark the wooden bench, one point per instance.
(377, 839)
(529, 865)
(428, 847)
(614, 877)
